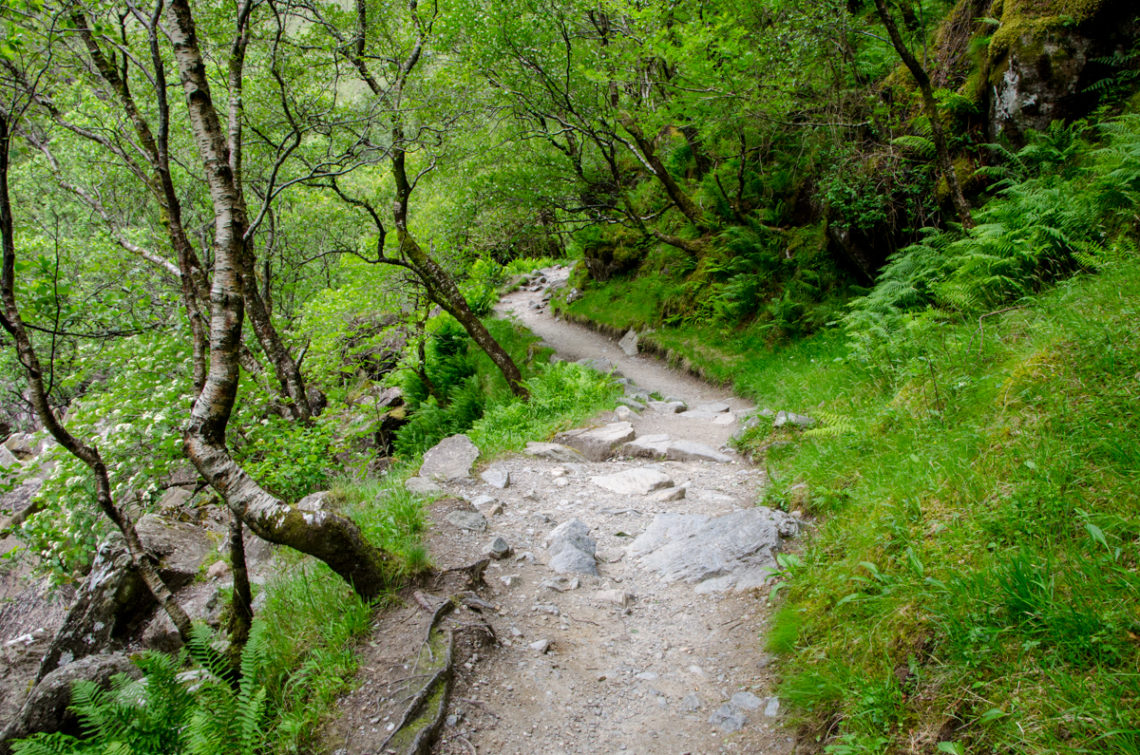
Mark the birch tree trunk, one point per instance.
(329, 537)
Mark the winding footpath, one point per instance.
(630, 609)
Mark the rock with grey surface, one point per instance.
(572, 549)
(598, 443)
(733, 551)
(450, 460)
(637, 481)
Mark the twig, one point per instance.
(469, 745)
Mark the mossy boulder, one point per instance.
(1046, 56)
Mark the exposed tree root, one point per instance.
(423, 718)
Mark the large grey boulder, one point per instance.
(733, 551)
(46, 708)
(450, 460)
(7, 458)
(598, 443)
(571, 548)
(639, 481)
(22, 446)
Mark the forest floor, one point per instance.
(639, 658)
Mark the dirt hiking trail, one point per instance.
(629, 611)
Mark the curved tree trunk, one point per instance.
(331, 538)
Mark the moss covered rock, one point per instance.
(1046, 56)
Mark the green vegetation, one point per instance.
(758, 187)
(972, 582)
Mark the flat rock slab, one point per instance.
(450, 460)
(554, 452)
(733, 551)
(468, 520)
(597, 444)
(714, 407)
(664, 447)
(639, 481)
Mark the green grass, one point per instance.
(974, 577)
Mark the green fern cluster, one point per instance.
(831, 425)
(1060, 204)
(166, 711)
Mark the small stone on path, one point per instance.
(571, 548)
(668, 407)
(496, 477)
(628, 343)
(746, 701)
(727, 718)
(772, 708)
(498, 548)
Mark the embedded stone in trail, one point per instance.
(497, 477)
(733, 551)
(572, 549)
(597, 444)
(450, 460)
(668, 407)
(664, 447)
(791, 418)
(554, 452)
(639, 481)
(715, 407)
(628, 343)
(421, 486)
(468, 520)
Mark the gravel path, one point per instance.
(656, 645)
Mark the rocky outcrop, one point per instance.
(1046, 57)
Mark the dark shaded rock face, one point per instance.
(1045, 68)
(45, 710)
(110, 598)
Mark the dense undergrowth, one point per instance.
(972, 583)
